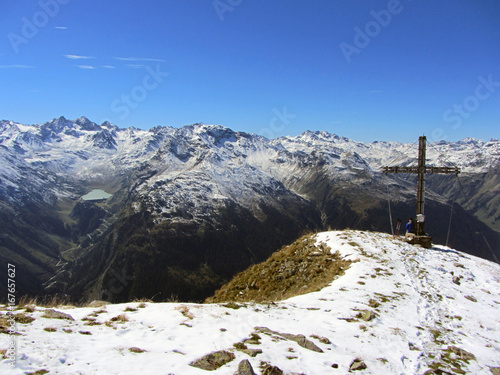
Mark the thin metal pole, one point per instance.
(390, 212)
(449, 225)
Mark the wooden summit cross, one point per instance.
(421, 170)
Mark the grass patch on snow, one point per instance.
(300, 268)
(135, 349)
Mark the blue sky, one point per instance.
(367, 70)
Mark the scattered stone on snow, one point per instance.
(252, 352)
(53, 314)
(471, 298)
(97, 303)
(214, 360)
(253, 340)
(461, 353)
(357, 365)
(272, 370)
(366, 315)
(299, 339)
(321, 339)
(245, 368)
(412, 346)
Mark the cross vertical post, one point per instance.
(419, 236)
(420, 219)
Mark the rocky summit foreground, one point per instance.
(397, 309)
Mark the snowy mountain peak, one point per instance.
(110, 126)
(86, 124)
(105, 139)
(469, 140)
(319, 136)
(57, 125)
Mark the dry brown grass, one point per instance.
(4, 321)
(122, 318)
(142, 300)
(48, 302)
(135, 349)
(299, 268)
(30, 303)
(92, 323)
(39, 372)
(23, 318)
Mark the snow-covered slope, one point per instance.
(398, 309)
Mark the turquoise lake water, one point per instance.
(96, 194)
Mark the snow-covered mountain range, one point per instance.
(188, 201)
(397, 309)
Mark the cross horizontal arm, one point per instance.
(445, 170)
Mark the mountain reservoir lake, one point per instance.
(96, 195)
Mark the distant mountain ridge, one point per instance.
(194, 205)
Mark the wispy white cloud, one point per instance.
(135, 66)
(60, 27)
(138, 59)
(78, 57)
(16, 66)
(108, 67)
(86, 67)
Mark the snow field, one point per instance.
(396, 308)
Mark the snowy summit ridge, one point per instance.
(398, 309)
